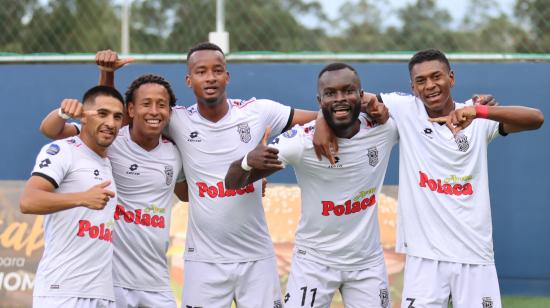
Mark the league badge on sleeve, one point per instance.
(53, 149)
(290, 133)
(244, 132)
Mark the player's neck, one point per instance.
(442, 112)
(213, 113)
(348, 132)
(146, 142)
(96, 148)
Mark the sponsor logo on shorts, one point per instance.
(147, 219)
(287, 297)
(101, 232)
(244, 132)
(302, 252)
(277, 304)
(219, 190)
(384, 298)
(445, 187)
(487, 302)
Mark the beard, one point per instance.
(341, 125)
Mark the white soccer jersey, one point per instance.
(339, 224)
(145, 182)
(225, 225)
(444, 210)
(78, 250)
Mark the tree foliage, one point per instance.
(69, 26)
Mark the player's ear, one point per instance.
(452, 78)
(188, 80)
(131, 110)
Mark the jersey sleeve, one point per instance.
(397, 102)
(53, 162)
(276, 115)
(290, 145)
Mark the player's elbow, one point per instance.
(538, 119)
(25, 205)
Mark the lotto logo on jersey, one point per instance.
(100, 232)
(219, 190)
(135, 217)
(445, 188)
(348, 207)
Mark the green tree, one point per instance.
(12, 23)
(536, 15)
(69, 26)
(425, 25)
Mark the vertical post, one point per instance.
(125, 29)
(220, 37)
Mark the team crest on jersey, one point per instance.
(290, 133)
(462, 142)
(53, 149)
(169, 173)
(373, 156)
(244, 132)
(384, 298)
(487, 302)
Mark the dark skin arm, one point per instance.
(513, 118)
(181, 191)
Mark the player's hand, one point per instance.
(458, 119)
(108, 60)
(484, 99)
(264, 157)
(97, 197)
(325, 142)
(375, 109)
(71, 107)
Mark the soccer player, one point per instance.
(72, 185)
(337, 241)
(146, 168)
(444, 213)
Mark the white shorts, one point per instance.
(312, 284)
(429, 284)
(215, 285)
(130, 298)
(76, 302)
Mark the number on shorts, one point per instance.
(411, 300)
(304, 293)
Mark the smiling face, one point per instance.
(101, 122)
(149, 110)
(339, 95)
(431, 81)
(207, 76)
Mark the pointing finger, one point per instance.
(439, 119)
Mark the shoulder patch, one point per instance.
(71, 141)
(290, 133)
(310, 129)
(242, 103)
(53, 149)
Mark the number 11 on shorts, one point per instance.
(304, 294)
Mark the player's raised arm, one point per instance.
(513, 118)
(38, 197)
(54, 125)
(258, 163)
(108, 62)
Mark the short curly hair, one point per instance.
(145, 79)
